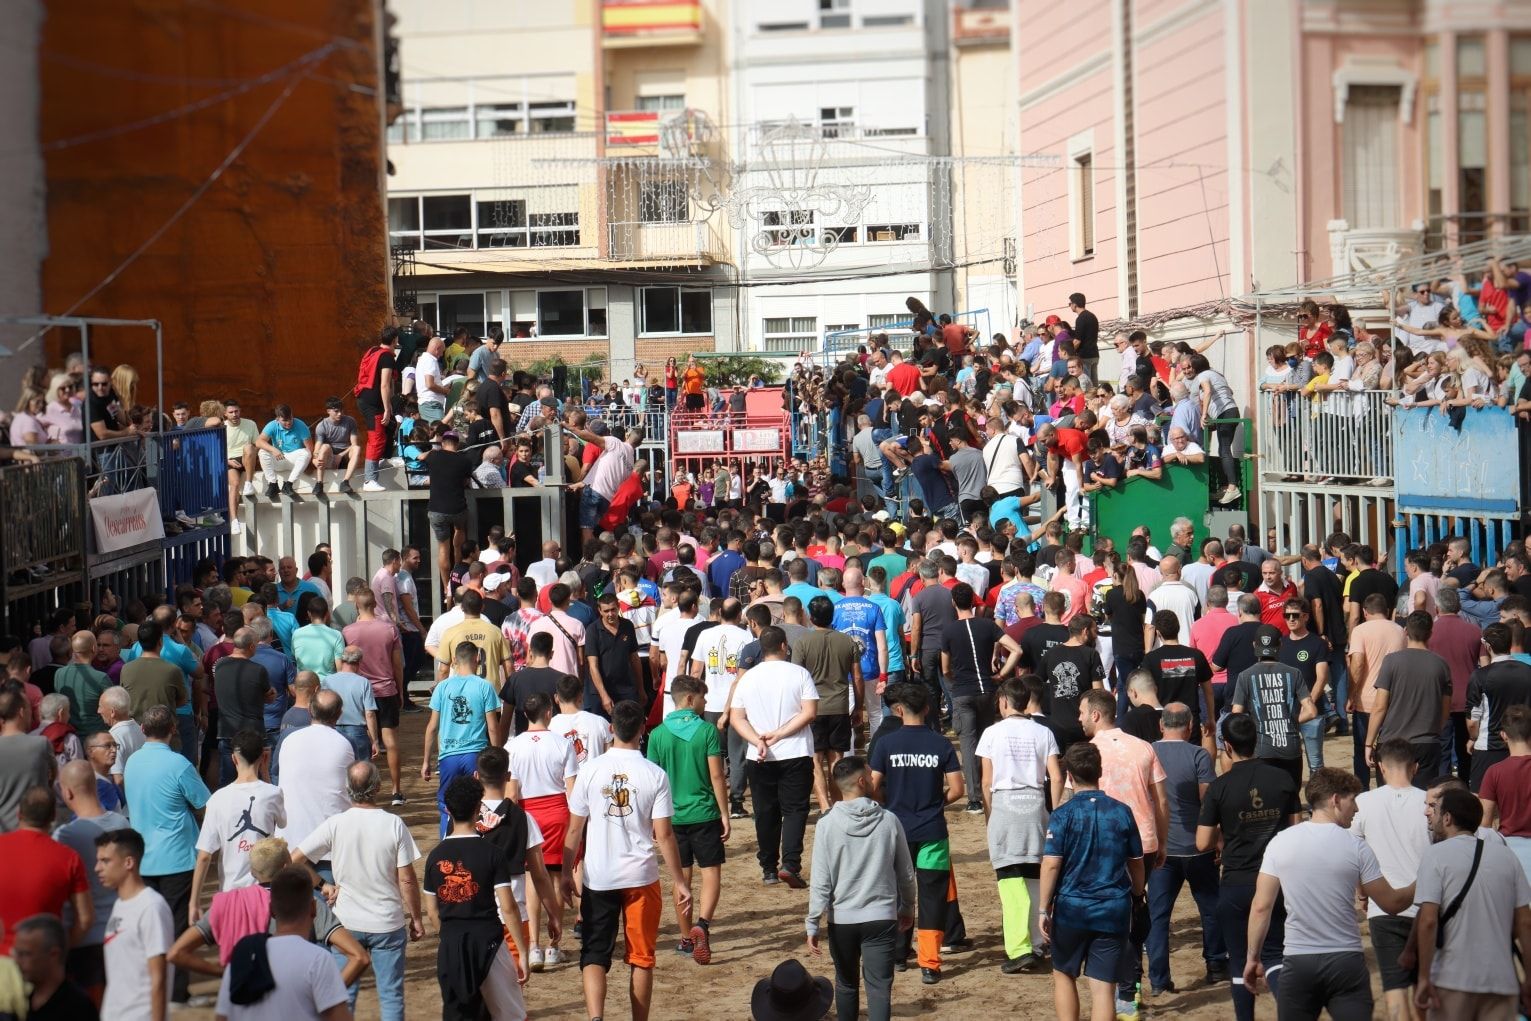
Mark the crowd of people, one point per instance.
(214, 785)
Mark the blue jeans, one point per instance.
(191, 740)
(1358, 728)
(1313, 742)
(1163, 888)
(449, 768)
(1339, 684)
(361, 741)
(387, 950)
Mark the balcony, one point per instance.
(987, 25)
(1360, 250)
(631, 23)
(685, 241)
(671, 133)
(1346, 438)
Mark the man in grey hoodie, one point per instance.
(864, 878)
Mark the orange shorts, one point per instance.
(635, 910)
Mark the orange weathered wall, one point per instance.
(277, 277)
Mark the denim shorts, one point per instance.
(592, 508)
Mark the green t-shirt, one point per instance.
(681, 746)
(83, 686)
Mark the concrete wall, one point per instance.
(277, 276)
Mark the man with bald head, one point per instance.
(372, 857)
(863, 620)
(77, 785)
(243, 689)
(358, 714)
(82, 684)
(289, 587)
(1172, 594)
(312, 764)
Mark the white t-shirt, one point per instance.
(404, 585)
(1001, 455)
(541, 761)
(771, 693)
(307, 984)
(1320, 864)
(428, 366)
(1018, 749)
(137, 930)
(588, 733)
(1179, 598)
(313, 765)
(235, 818)
(129, 737)
(1476, 957)
(611, 468)
(544, 572)
(621, 794)
(441, 624)
(717, 649)
(669, 635)
(1392, 822)
(365, 847)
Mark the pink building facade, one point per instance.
(1188, 151)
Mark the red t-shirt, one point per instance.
(904, 378)
(660, 562)
(1068, 443)
(1508, 785)
(1315, 340)
(53, 874)
(955, 336)
(1273, 604)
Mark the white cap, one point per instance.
(494, 581)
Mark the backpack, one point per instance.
(366, 372)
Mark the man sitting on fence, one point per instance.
(285, 443)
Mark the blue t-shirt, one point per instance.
(803, 592)
(280, 671)
(172, 651)
(289, 600)
(893, 619)
(356, 697)
(1008, 509)
(720, 570)
(935, 486)
(581, 611)
(860, 618)
(1096, 836)
(463, 700)
(286, 440)
(284, 624)
(163, 791)
(914, 761)
(1186, 767)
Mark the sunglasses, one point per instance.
(1292, 616)
(104, 384)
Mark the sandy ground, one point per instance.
(757, 927)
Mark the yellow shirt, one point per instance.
(494, 650)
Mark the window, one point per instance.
(502, 224)
(445, 124)
(885, 322)
(837, 121)
(595, 305)
(1472, 140)
(1369, 165)
(782, 26)
(548, 118)
(1082, 215)
(834, 13)
(834, 328)
(886, 20)
(561, 313)
(675, 310)
(843, 235)
(893, 232)
(662, 202)
(546, 233)
(498, 121)
(447, 221)
(797, 333)
(790, 227)
(889, 132)
(661, 104)
(1520, 134)
(454, 310)
(404, 215)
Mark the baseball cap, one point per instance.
(1051, 321)
(1267, 641)
(492, 582)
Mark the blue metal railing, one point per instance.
(842, 341)
(191, 472)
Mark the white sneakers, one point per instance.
(249, 489)
(373, 486)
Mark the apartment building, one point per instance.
(546, 176)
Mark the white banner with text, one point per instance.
(124, 520)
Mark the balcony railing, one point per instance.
(1343, 437)
(192, 473)
(1353, 249)
(689, 240)
(673, 133)
(651, 22)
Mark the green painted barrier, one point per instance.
(1180, 491)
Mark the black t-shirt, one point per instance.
(528, 681)
(613, 654)
(1320, 583)
(1304, 654)
(522, 473)
(1037, 640)
(1143, 721)
(1179, 672)
(68, 1003)
(108, 411)
(370, 400)
(240, 685)
(463, 873)
(1068, 671)
(480, 433)
(495, 611)
(914, 762)
(1087, 335)
(688, 644)
(1126, 622)
(970, 645)
(503, 824)
(1250, 803)
(1236, 652)
(1237, 576)
(491, 396)
(1371, 581)
(449, 471)
(1047, 556)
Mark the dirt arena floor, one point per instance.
(757, 927)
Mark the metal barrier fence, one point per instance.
(842, 341)
(1338, 436)
(42, 537)
(188, 469)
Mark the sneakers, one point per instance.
(272, 491)
(1019, 965)
(685, 947)
(792, 879)
(901, 965)
(345, 489)
(248, 490)
(1167, 989)
(534, 959)
(235, 527)
(395, 462)
(1229, 494)
(1126, 1010)
(553, 955)
(287, 489)
(975, 808)
(410, 707)
(962, 946)
(398, 799)
(701, 945)
(373, 486)
(736, 810)
(930, 976)
(769, 879)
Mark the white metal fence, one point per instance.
(1344, 436)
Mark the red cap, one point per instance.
(1052, 321)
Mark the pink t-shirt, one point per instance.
(383, 583)
(1077, 591)
(1427, 583)
(235, 914)
(1372, 640)
(376, 639)
(1128, 771)
(563, 652)
(1207, 634)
